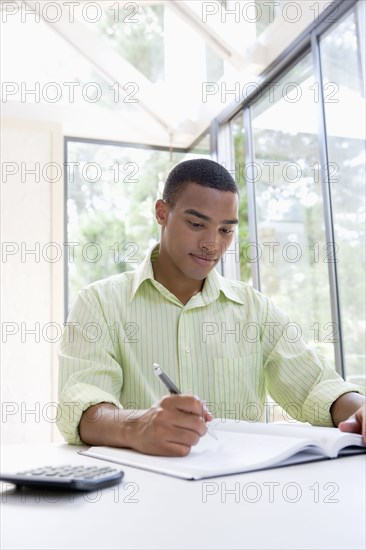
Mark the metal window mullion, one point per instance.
(66, 261)
(214, 140)
(327, 207)
(229, 265)
(252, 213)
(360, 16)
(214, 153)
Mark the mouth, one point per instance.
(203, 260)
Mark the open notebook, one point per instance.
(242, 447)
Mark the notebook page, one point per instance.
(329, 439)
(233, 452)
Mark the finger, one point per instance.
(167, 448)
(162, 437)
(176, 435)
(351, 425)
(167, 419)
(361, 418)
(208, 416)
(205, 413)
(175, 449)
(182, 436)
(186, 403)
(191, 424)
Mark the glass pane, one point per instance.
(202, 147)
(214, 65)
(345, 121)
(266, 12)
(137, 33)
(237, 139)
(111, 193)
(56, 75)
(291, 235)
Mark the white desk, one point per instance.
(311, 506)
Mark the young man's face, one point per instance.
(197, 231)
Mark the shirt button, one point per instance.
(188, 350)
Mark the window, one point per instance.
(289, 206)
(344, 103)
(111, 192)
(202, 147)
(306, 147)
(242, 238)
(266, 12)
(142, 41)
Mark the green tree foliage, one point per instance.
(111, 198)
(139, 38)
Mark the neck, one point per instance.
(183, 288)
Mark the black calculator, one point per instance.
(79, 478)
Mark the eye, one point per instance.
(196, 225)
(227, 231)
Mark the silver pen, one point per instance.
(172, 388)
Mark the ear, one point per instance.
(161, 211)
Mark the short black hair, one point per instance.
(205, 172)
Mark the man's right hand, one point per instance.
(169, 428)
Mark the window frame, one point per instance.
(221, 147)
(113, 143)
(307, 42)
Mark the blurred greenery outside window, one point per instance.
(142, 44)
(341, 60)
(289, 205)
(115, 210)
(111, 193)
(242, 237)
(265, 13)
(293, 253)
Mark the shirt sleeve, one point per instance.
(89, 372)
(299, 379)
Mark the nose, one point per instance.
(210, 246)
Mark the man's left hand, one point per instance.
(356, 423)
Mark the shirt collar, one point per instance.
(214, 283)
(145, 271)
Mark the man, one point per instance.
(176, 310)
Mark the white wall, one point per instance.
(32, 286)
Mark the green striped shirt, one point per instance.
(229, 345)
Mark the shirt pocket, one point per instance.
(237, 388)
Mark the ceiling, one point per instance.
(154, 72)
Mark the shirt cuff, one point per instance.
(316, 408)
(73, 402)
